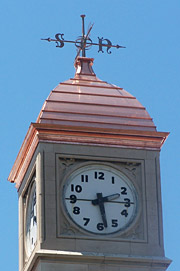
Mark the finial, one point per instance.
(84, 42)
(83, 66)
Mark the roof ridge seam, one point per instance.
(94, 94)
(81, 79)
(84, 85)
(148, 126)
(102, 115)
(107, 105)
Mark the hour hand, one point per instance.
(111, 197)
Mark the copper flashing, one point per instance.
(24, 157)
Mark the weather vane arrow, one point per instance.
(84, 42)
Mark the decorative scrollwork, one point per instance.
(59, 41)
(101, 45)
(135, 234)
(67, 229)
(132, 167)
(81, 44)
(67, 162)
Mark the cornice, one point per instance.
(39, 132)
(98, 258)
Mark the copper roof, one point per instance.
(86, 101)
(87, 110)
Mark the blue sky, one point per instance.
(30, 68)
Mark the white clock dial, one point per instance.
(31, 221)
(100, 199)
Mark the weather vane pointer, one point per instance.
(84, 42)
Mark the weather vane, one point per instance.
(84, 42)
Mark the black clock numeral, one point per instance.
(73, 199)
(127, 202)
(123, 190)
(86, 220)
(124, 212)
(84, 178)
(76, 210)
(100, 226)
(76, 188)
(99, 175)
(113, 180)
(114, 223)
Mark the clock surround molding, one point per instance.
(133, 170)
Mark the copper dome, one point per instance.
(86, 101)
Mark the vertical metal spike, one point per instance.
(83, 36)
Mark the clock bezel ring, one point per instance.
(30, 191)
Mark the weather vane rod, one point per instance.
(84, 42)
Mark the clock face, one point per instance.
(31, 220)
(100, 199)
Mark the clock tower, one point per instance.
(88, 178)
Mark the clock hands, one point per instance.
(100, 201)
(107, 198)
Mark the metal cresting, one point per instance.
(84, 42)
